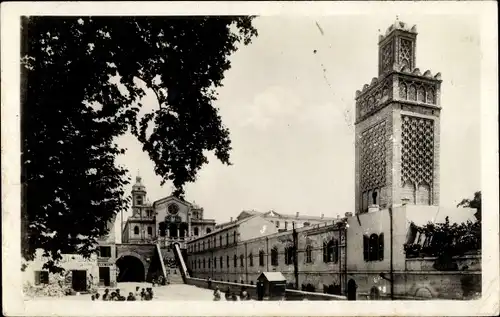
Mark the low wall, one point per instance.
(252, 290)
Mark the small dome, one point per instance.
(138, 186)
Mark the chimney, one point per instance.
(297, 215)
(338, 217)
(322, 216)
(231, 219)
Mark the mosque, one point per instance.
(397, 188)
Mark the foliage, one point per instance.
(473, 203)
(82, 88)
(445, 241)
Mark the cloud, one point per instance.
(275, 105)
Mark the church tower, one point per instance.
(397, 128)
(138, 197)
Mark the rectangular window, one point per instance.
(41, 277)
(105, 252)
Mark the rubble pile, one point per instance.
(51, 290)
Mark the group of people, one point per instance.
(144, 294)
(160, 280)
(231, 296)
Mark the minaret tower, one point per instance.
(397, 128)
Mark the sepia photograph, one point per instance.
(275, 154)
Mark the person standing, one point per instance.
(217, 294)
(105, 296)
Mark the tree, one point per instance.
(81, 89)
(473, 203)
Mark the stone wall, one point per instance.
(251, 289)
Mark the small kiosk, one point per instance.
(272, 284)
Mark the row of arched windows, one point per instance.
(211, 242)
(331, 253)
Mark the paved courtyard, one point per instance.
(163, 293)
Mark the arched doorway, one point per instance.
(131, 269)
(351, 290)
(374, 293)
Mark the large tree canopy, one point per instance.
(73, 110)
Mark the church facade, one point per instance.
(166, 220)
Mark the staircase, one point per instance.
(172, 269)
(180, 261)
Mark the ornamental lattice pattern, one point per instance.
(373, 153)
(417, 150)
(405, 53)
(387, 56)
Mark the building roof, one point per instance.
(273, 276)
(272, 213)
(236, 223)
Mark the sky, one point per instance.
(288, 101)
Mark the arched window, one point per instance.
(215, 263)
(330, 251)
(196, 232)
(289, 255)
(235, 260)
(277, 224)
(136, 230)
(227, 238)
(227, 261)
(234, 237)
(203, 262)
(308, 254)
(374, 293)
(209, 262)
(209, 230)
(274, 256)
(199, 263)
(250, 259)
(373, 247)
(221, 263)
(162, 227)
(208, 243)
(150, 231)
(242, 260)
(261, 258)
(220, 240)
